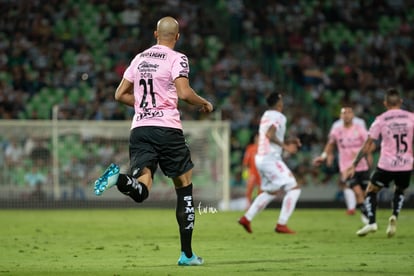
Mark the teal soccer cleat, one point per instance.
(194, 260)
(107, 180)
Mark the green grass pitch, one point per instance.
(145, 242)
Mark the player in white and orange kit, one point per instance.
(274, 174)
(395, 127)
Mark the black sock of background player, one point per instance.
(371, 206)
(131, 187)
(397, 202)
(185, 217)
(361, 207)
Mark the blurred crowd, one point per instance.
(321, 53)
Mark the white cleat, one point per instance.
(392, 226)
(369, 228)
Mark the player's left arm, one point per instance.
(370, 156)
(125, 93)
(186, 93)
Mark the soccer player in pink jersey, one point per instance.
(275, 176)
(349, 194)
(154, 81)
(348, 137)
(395, 127)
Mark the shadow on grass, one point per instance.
(241, 262)
(238, 262)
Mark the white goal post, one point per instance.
(60, 160)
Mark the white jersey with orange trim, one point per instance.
(269, 118)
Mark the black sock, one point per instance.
(371, 206)
(361, 207)
(131, 187)
(397, 202)
(185, 217)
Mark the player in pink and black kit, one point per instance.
(348, 137)
(349, 194)
(152, 84)
(395, 127)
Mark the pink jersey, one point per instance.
(395, 127)
(348, 142)
(153, 73)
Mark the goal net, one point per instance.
(60, 160)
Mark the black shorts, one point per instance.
(360, 178)
(382, 178)
(152, 146)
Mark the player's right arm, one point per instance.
(125, 93)
(290, 146)
(369, 156)
(186, 93)
(326, 155)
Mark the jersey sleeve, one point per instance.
(332, 136)
(129, 72)
(375, 129)
(180, 67)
